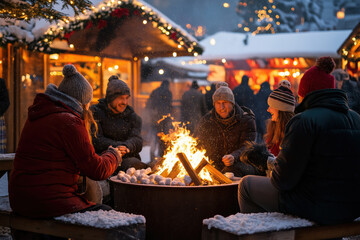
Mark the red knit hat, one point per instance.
(318, 77)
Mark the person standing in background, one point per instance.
(4, 105)
(193, 107)
(244, 95)
(260, 109)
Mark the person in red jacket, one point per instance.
(54, 148)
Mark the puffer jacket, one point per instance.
(54, 148)
(317, 169)
(117, 129)
(219, 139)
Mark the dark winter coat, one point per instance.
(117, 129)
(261, 106)
(219, 139)
(4, 97)
(54, 148)
(244, 96)
(317, 169)
(193, 107)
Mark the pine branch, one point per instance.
(29, 9)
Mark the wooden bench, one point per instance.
(60, 228)
(298, 233)
(6, 163)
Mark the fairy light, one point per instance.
(146, 58)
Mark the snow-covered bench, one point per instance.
(88, 225)
(272, 226)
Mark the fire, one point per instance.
(180, 141)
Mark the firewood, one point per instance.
(189, 169)
(174, 171)
(217, 174)
(201, 165)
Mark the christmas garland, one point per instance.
(345, 54)
(110, 14)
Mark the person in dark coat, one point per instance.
(208, 96)
(352, 88)
(193, 106)
(118, 125)
(4, 105)
(244, 95)
(159, 106)
(54, 147)
(223, 132)
(316, 174)
(260, 110)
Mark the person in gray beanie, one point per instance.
(54, 147)
(223, 131)
(118, 125)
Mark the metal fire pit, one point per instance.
(175, 212)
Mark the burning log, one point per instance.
(217, 174)
(174, 171)
(189, 169)
(201, 165)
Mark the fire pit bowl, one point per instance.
(174, 212)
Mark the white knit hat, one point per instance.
(282, 98)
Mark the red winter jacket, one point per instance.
(54, 148)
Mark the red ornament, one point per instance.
(120, 12)
(89, 25)
(136, 12)
(102, 24)
(173, 36)
(68, 35)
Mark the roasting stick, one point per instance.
(189, 169)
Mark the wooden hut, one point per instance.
(109, 40)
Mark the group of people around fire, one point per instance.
(309, 166)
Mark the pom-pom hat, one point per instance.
(75, 85)
(318, 77)
(282, 98)
(115, 88)
(224, 93)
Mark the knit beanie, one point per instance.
(282, 98)
(318, 77)
(115, 88)
(75, 85)
(223, 92)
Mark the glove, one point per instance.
(117, 153)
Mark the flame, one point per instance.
(180, 140)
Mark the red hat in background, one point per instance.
(318, 77)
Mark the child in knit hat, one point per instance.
(281, 107)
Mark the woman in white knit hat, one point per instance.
(281, 107)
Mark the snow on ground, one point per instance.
(255, 222)
(103, 219)
(4, 185)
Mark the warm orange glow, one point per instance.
(180, 141)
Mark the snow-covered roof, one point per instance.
(27, 32)
(230, 45)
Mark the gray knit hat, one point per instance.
(115, 88)
(75, 85)
(282, 98)
(223, 92)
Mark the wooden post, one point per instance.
(217, 174)
(189, 169)
(174, 171)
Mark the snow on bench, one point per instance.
(88, 225)
(272, 225)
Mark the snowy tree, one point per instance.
(30, 9)
(270, 16)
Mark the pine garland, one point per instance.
(30, 9)
(114, 13)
